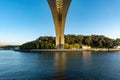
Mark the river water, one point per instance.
(59, 65)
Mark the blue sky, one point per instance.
(26, 20)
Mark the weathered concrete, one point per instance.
(59, 9)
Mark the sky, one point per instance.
(26, 20)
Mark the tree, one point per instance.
(66, 46)
(77, 46)
(72, 41)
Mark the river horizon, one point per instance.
(84, 65)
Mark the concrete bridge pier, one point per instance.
(59, 9)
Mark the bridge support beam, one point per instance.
(59, 9)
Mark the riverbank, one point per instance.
(68, 50)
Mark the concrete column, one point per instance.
(59, 9)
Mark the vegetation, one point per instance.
(9, 47)
(72, 41)
(41, 43)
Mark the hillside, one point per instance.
(8, 47)
(72, 41)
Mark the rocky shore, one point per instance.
(68, 50)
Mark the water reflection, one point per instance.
(62, 60)
(86, 58)
(60, 65)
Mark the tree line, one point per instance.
(72, 41)
(9, 47)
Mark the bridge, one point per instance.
(59, 9)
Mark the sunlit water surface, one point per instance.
(59, 65)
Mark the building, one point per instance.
(116, 47)
(59, 9)
(86, 47)
(16, 48)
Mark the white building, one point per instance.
(16, 48)
(86, 47)
(117, 47)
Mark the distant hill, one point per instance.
(72, 41)
(9, 47)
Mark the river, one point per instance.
(59, 65)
